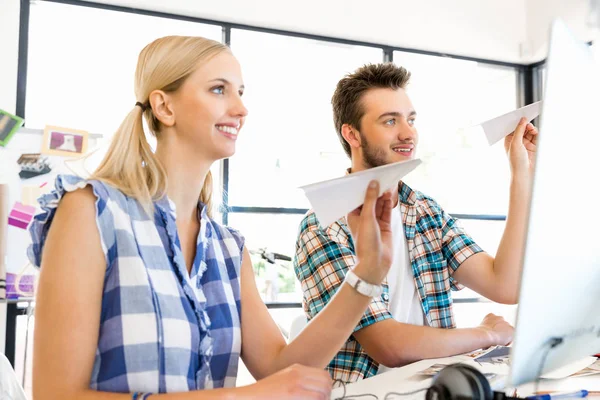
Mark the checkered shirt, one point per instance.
(437, 246)
(161, 329)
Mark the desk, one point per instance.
(404, 379)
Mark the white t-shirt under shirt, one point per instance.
(404, 304)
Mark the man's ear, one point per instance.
(351, 135)
(162, 107)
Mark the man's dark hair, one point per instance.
(346, 100)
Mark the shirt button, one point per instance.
(386, 297)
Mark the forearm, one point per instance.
(508, 258)
(413, 343)
(326, 333)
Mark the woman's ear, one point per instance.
(162, 107)
(351, 135)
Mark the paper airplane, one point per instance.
(498, 128)
(335, 198)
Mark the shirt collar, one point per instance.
(168, 206)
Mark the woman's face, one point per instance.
(208, 108)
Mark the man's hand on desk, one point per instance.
(416, 343)
(499, 331)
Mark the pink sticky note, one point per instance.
(21, 215)
(24, 208)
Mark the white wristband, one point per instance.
(362, 287)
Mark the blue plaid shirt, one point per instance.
(161, 329)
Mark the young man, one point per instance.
(375, 121)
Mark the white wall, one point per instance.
(540, 14)
(491, 29)
(506, 30)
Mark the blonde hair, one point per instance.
(130, 164)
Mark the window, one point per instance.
(460, 170)
(487, 234)
(289, 139)
(82, 63)
(273, 233)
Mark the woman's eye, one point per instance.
(218, 90)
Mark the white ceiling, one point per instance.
(505, 30)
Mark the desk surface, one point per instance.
(407, 379)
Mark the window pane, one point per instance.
(82, 63)
(289, 138)
(469, 315)
(487, 234)
(275, 233)
(460, 170)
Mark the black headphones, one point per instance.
(461, 382)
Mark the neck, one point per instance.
(186, 174)
(360, 165)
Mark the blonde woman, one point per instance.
(142, 294)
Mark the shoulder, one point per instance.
(230, 237)
(69, 189)
(75, 203)
(310, 224)
(311, 232)
(428, 205)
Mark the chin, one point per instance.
(226, 153)
(401, 157)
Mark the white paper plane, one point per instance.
(335, 198)
(498, 128)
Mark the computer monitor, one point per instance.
(558, 319)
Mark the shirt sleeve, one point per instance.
(457, 245)
(49, 203)
(320, 264)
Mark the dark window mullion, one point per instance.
(23, 54)
(225, 162)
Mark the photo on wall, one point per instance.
(9, 125)
(32, 165)
(64, 142)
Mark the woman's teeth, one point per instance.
(228, 129)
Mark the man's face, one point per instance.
(387, 130)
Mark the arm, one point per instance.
(324, 335)
(68, 318)
(412, 343)
(68, 305)
(498, 279)
(263, 349)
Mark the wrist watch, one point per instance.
(362, 287)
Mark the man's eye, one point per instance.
(390, 122)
